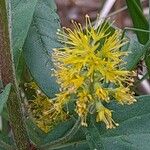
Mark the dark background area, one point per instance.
(77, 9)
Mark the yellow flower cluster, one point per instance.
(90, 67)
(42, 110)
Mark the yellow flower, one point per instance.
(91, 57)
(105, 115)
(111, 47)
(102, 94)
(113, 74)
(77, 81)
(124, 96)
(60, 100)
(82, 106)
(44, 113)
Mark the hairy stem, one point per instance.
(8, 76)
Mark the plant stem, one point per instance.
(8, 76)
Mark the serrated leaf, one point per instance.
(139, 20)
(4, 97)
(38, 47)
(133, 132)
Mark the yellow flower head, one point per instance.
(105, 115)
(82, 105)
(124, 96)
(102, 94)
(44, 113)
(89, 67)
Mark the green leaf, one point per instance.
(4, 97)
(38, 47)
(22, 14)
(41, 138)
(135, 52)
(147, 61)
(92, 134)
(134, 130)
(139, 20)
(6, 143)
(147, 57)
(139, 4)
(81, 145)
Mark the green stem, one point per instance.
(17, 121)
(8, 76)
(133, 29)
(136, 29)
